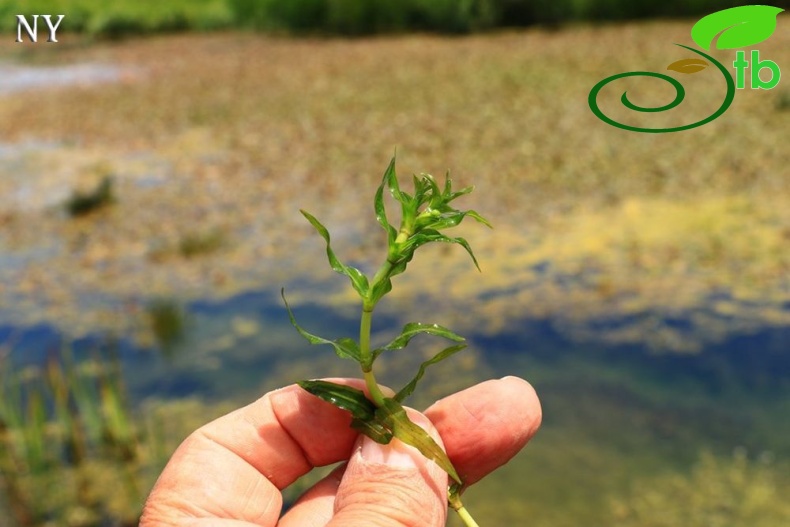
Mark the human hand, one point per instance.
(230, 472)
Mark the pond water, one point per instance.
(613, 414)
(17, 78)
(639, 378)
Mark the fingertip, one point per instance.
(521, 391)
(484, 426)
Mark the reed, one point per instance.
(58, 423)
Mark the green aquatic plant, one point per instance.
(84, 203)
(195, 244)
(167, 321)
(424, 215)
(59, 425)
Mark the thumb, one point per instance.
(392, 485)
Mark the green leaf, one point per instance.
(378, 203)
(393, 416)
(346, 348)
(438, 196)
(358, 280)
(431, 193)
(392, 182)
(409, 388)
(342, 396)
(354, 401)
(380, 289)
(380, 424)
(448, 193)
(479, 219)
(411, 330)
(431, 235)
(446, 220)
(400, 267)
(740, 27)
(373, 429)
(421, 189)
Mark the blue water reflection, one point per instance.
(612, 413)
(728, 393)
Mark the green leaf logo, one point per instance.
(739, 27)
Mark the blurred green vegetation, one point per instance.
(358, 17)
(69, 432)
(122, 18)
(344, 17)
(65, 423)
(168, 322)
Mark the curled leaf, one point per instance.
(411, 330)
(432, 235)
(378, 202)
(345, 348)
(446, 219)
(688, 65)
(358, 280)
(739, 26)
(448, 195)
(380, 289)
(409, 388)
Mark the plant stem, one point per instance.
(454, 500)
(364, 348)
(364, 336)
(466, 517)
(375, 392)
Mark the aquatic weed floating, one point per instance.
(423, 216)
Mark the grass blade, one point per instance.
(34, 430)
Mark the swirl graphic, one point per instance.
(680, 94)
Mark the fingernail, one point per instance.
(395, 454)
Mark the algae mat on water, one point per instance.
(214, 142)
(228, 130)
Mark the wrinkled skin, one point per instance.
(230, 472)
